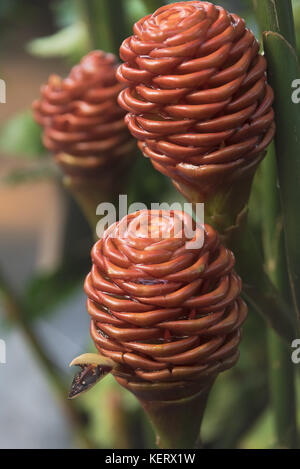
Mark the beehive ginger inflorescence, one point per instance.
(197, 98)
(168, 312)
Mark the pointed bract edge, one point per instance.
(94, 368)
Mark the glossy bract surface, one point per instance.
(197, 95)
(165, 309)
(80, 114)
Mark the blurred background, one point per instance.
(44, 256)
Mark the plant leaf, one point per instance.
(71, 42)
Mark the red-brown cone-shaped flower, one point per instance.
(198, 102)
(165, 306)
(84, 126)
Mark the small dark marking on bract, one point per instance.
(86, 378)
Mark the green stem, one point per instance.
(258, 289)
(282, 388)
(276, 16)
(283, 68)
(15, 314)
(281, 369)
(276, 22)
(96, 19)
(107, 23)
(118, 24)
(177, 423)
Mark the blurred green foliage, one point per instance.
(66, 12)
(72, 40)
(45, 292)
(21, 136)
(136, 9)
(33, 173)
(116, 419)
(71, 43)
(146, 185)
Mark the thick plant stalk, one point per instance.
(13, 310)
(166, 308)
(283, 393)
(281, 368)
(184, 417)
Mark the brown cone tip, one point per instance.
(197, 95)
(165, 302)
(80, 114)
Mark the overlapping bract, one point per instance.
(167, 311)
(197, 96)
(80, 114)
